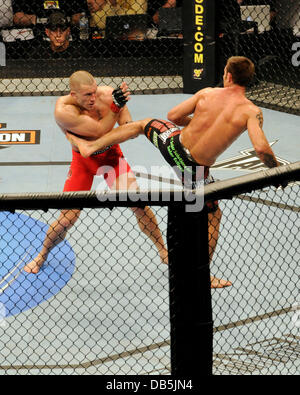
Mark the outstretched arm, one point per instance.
(181, 114)
(116, 136)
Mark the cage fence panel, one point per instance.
(100, 302)
(268, 33)
(83, 308)
(255, 327)
(149, 54)
(109, 39)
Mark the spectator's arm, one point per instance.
(168, 4)
(20, 18)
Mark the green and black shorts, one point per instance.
(166, 137)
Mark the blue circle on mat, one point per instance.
(21, 238)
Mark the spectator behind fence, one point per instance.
(28, 13)
(284, 17)
(131, 7)
(155, 5)
(99, 10)
(285, 14)
(6, 13)
(228, 28)
(58, 32)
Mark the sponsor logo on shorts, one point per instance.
(165, 135)
(155, 139)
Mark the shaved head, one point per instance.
(80, 78)
(83, 89)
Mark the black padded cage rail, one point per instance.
(154, 53)
(103, 303)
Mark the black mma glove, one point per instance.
(119, 100)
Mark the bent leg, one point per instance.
(78, 179)
(214, 220)
(55, 235)
(148, 224)
(145, 217)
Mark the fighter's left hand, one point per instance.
(120, 96)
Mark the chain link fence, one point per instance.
(268, 32)
(100, 304)
(149, 53)
(256, 330)
(122, 39)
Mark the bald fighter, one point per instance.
(90, 112)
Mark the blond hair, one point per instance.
(80, 78)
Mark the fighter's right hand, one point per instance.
(72, 138)
(120, 96)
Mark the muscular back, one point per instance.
(220, 116)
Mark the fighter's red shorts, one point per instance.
(110, 163)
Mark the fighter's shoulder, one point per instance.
(252, 109)
(64, 108)
(253, 113)
(206, 91)
(104, 92)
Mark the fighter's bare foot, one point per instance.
(35, 265)
(217, 283)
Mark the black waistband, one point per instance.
(102, 151)
(189, 162)
(180, 148)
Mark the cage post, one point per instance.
(190, 293)
(199, 44)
